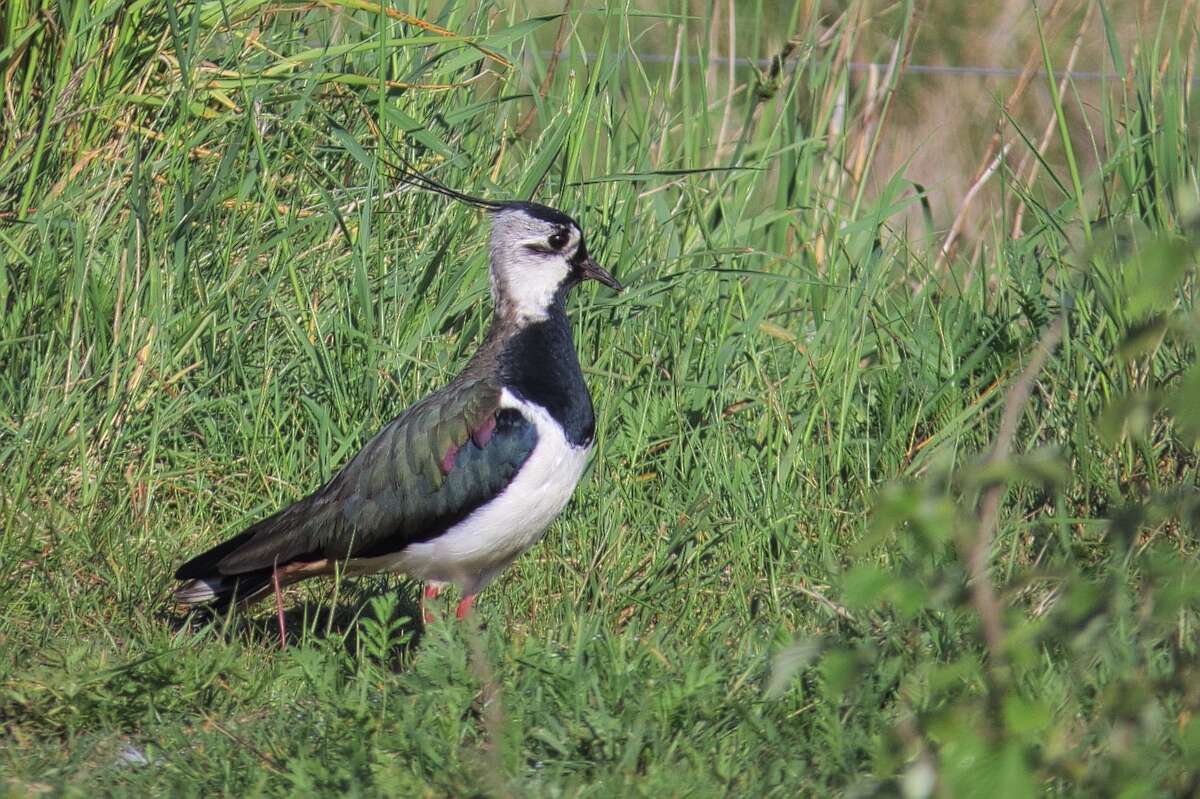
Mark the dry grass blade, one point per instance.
(980, 547)
(992, 159)
(416, 22)
(1034, 160)
(560, 39)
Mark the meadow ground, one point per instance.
(867, 515)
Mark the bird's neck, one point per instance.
(538, 364)
(527, 289)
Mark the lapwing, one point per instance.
(465, 480)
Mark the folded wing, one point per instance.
(426, 470)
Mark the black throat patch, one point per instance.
(539, 365)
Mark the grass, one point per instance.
(774, 577)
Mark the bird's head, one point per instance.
(538, 254)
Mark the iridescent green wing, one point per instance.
(426, 470)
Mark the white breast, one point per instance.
(476, 549)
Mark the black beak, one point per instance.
(594, 271)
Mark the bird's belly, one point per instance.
(481, 545)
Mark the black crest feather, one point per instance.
(405, 172)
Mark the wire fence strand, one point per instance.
(865, 66)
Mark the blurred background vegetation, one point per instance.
(896, 486)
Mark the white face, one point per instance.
(530, 261)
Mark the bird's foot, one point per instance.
(464, 607)
(430, 593)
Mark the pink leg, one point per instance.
(431, 592)
(464, 607)
(279, 609)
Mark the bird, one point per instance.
(463, 481)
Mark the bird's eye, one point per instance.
(558, 240)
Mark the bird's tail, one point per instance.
(241, 569)
(218, 592)
(204, 584)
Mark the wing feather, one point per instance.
(395, 492)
